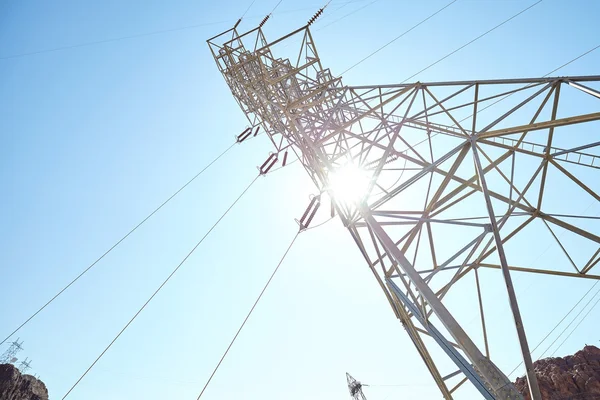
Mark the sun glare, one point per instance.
(349, 183)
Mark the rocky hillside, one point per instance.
(575, 377)
(15, 386)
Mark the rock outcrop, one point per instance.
(575, 377)
(15, 386)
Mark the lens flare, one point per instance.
(349, 184)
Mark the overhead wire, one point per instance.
(117, 243)
(346, 15)
(248, 315)
(275, 8)
(572, 321)
(454, 51)
(117, 39)
(473, 40)
(135, 36)
(575, 59)
(160, 287)
(340, 6)
(247, 9)
(318, 225)
(399, 36)
(555, 326)
(576, 326)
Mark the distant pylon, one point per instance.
(355, 388)
(25, 365)
(9, 355)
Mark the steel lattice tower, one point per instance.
(25, 365)
(9, 355)
(355, 388)
(452, 188)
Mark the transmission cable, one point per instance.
(572, 321)
(346, 15)
(556, 326)
(275, 8)
(247, 9)
(399, 36)
(161, 286)
(470, 42)
(576, 326)
(134, 36)
(116, 244)
(575, 59)
(113, 39)
(248, 315)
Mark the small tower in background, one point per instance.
(9, 356)
(355, 388)
(25, 365)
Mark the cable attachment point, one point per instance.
(244, 135)
(268, 164)
(265, 19)
(314, 17)
(237, 23)
(310, 212)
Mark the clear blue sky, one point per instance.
(95, 137)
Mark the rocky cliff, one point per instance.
(15, 386)
(575, 377)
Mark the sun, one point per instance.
(349, 184)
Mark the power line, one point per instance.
(160, 287)
(275, 8)
(248, 316)
(321, 224)
(347, 15)
(576, 326)
(399, 36)
(470, 42)
(342, 5)
(116, 244)
(570, 323)
(575, 59)
(117, 39)
(247, 9)
(134, 36)
(556, 326)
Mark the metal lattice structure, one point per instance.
(25, 365)
(9, 356)
(355, 388)
(452, 187)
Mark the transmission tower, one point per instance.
(25, 366)
(451, 189)
(355, 388)
(9, 356)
